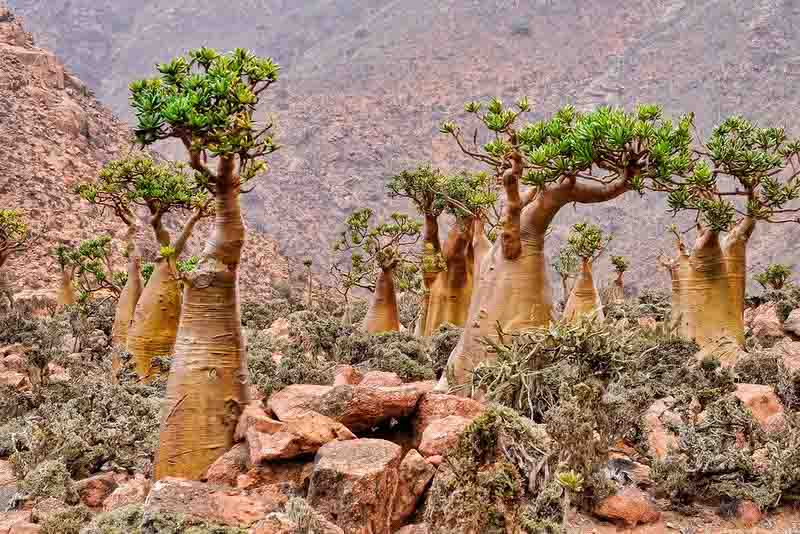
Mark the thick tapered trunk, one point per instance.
(707, 298)
(207, 386)
(734, 248)
(616, 294)
(382, 315)
(157, 315)
(680, 271)
(584, 300)
(514, 292)
(155, 323)
(126, 305)
(6, 289)
(451, 290)
(66, 290)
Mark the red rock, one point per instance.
(280, 523)
(748, 514)
(659, 439)
(14, 362)
(442, 435)
(789, 351)
(295, 398)
(421, 528)
(226, 469)
(435, 460)
(17, 522)
(299, 435)
(56, 373)
(133, 491)
(359, 408)
(94, 490)
(214, 504)
(6, 473)
(630, 506)
(25, 528)
(254, 415)
(381, 378)
(763, 322)
(435, 406)
(354, 484)
(764, 404)
(792, 323)
(346, 374)
(415, 475)
(14, 379)
(294, 473)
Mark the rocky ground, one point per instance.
(344, 434)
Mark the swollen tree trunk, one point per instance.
(617, 293)
(514, 292)
(382, 315)
(207, 386)
(584, 300)
(451, 290)
(6, 290)
(735, 249)
(66, 291)
(709, 303)
(155, 322)
(129, 296)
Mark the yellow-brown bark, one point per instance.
(382, 315)
(207, 385)
(126, 305)
(66, 290)
(451, 290)
(155, 322)
(513, 291)
(706, 294)
(584, 300)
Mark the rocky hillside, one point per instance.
(366, 82)
(56, 134)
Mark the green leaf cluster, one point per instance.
(139, 180)
(586, 240)
(13, 228)
(207, 100)
(620, 263)
(774, 276)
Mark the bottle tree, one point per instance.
(380, 255)
(743, 174)
(774, 277)
(566, 266)
(208, 102)
(620, 264)
(15, 237)
(162, 189)
(90, 269)
(587, 242)
(571, 157)
(120, 205)
(449, 270)
(678, 269)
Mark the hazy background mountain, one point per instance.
(366, 82)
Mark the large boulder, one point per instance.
(226, 469)
(764, 323)
(442, 435)
(18, 522)
(293, 474)
(630, 506)
(134, 491)
(300, 435)
(792, 323)
(213, 504)
(764, 404)
(354, 484)
(415, 475)
(346, 374)
(253, 415)
(359, 408)
(435, 406)
(381, 378)
(94, 490)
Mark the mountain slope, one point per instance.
(366, 82)
(55, 134)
